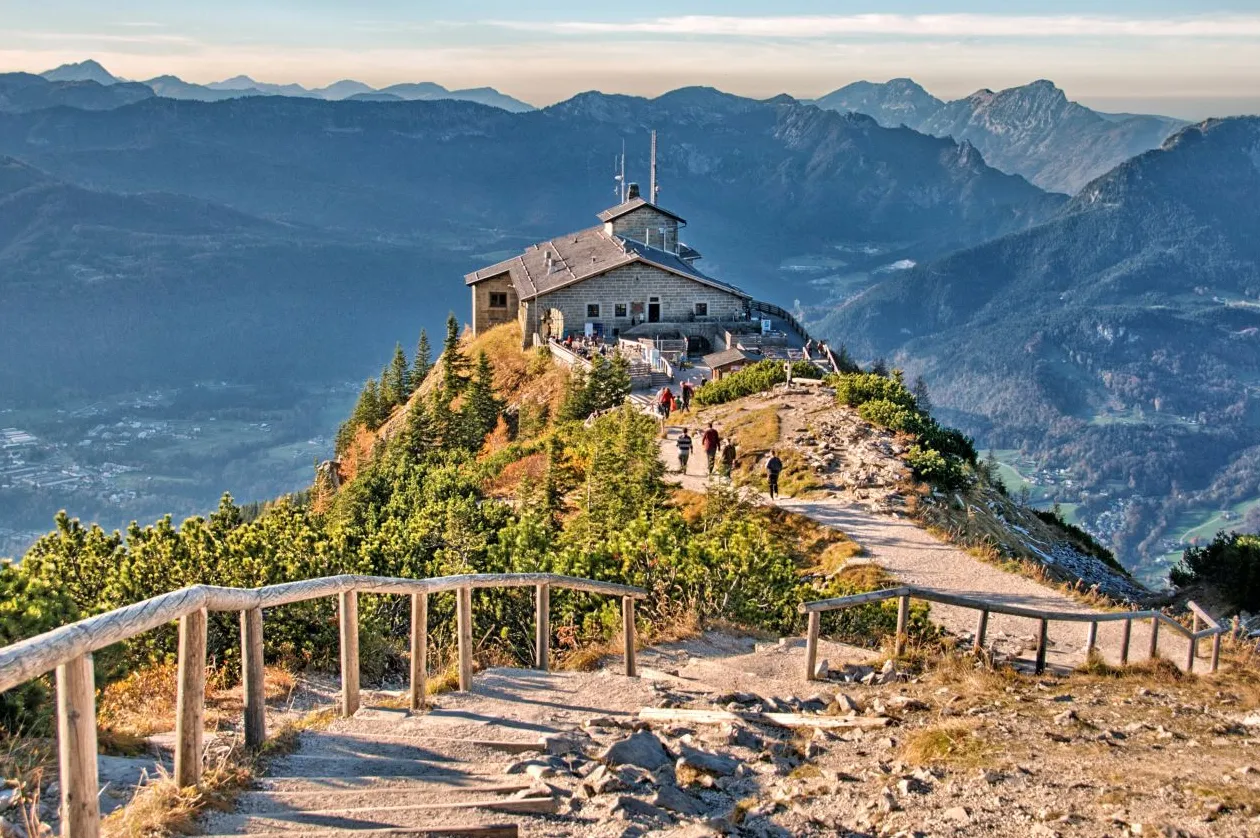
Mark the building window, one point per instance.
(592, 310)
(498, 299)
(619, 309)
(702, 309)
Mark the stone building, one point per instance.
(629, 276)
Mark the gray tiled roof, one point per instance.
(632, 205)
(580, 256)
(727, 356)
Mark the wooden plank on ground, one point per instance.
(504, 745)
(502, 830)
(520, 806)
(715, 717)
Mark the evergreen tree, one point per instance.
(386, 393)
(922, 399)
(880, 367)
(608, 383)
(399, 376)
(481, 409)
(423, 361)
(420, 434)
(367, 412)
(454, 364)
(577, 401)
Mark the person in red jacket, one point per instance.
(709, 441)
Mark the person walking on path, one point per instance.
(709, 442)
(666, 403)
(773, 466)
(728, 459)
(684, 450)
(687, 391)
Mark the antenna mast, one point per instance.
(652, 178)
(622, 176)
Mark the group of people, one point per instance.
(720, 453)
(667, 402)
(587, 347)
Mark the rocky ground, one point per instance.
(721, 735)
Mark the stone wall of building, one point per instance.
(644, 225)
(633, 287)
(485, 315)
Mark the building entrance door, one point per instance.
(654, 309)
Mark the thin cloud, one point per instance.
(950, 26)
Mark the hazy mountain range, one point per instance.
(1119, 339)
(173, 87)
(1032, 130)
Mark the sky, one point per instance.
(1179, 57)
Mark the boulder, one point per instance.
(643, 749)
(631, 808)
(676, 800)
(706, 762)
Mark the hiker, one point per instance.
(684, 450)
(728, 459)
(787, 371)
(709, 442)
(773, 466)
(666, 402)
(687, 392)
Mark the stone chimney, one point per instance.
(632, 191)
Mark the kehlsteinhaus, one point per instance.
(630, 276)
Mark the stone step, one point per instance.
(403, 784)
(298, 766)
(314, 799)
(432, 749)
(385, 817)
(497, 830)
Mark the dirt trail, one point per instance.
(915, 557)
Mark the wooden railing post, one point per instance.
(1043, 640)
(464, 620)
(1124, 642)
(1091, 638)
(811, 645)
(253, 687)
(982, 625)
(1216, 651)
(1152, 651)
(76, 742)
(627, 630)
(419, 648)
(190, 701)
(542, 625)
(903, 618)
(348, 609)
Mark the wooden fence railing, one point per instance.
(903, 594)
(69, 650)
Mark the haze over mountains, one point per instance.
(173, 87)
(1032, 130)
(277, 234)
(1120, 339)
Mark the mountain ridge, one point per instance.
(1033, 130)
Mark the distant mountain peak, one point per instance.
(89, 70)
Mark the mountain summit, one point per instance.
(1033, 130)
(88, 70)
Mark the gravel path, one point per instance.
(916, 557)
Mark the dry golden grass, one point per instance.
(950, 743)
(529, 470)
(143, 703)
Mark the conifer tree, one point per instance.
(454, 364)
(423, 361)
(368, 410)
(481, 408)
(385, 391)
(608, 383)
(420, 434)
(577, 398)
(399, 377)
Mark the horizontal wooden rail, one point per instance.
(904, 593)
(69, 650)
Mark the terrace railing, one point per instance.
(69, 650)
(903, 594)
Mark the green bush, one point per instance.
(1230, 563)
(858, 388)
(28, 606)
(895, 417)
(757, 378)
(937, 468)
